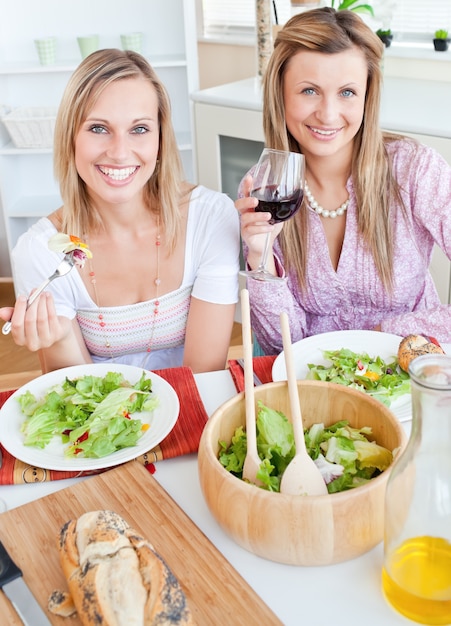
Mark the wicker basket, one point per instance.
(31, 127)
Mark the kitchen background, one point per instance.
(214, 93)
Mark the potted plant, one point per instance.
(441, 41)
(353, 5)
(385, 35)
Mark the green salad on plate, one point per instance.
(94, 415)
(383, 380)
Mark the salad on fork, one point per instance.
(75, 253)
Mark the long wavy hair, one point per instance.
(163, 191)
(329, 32)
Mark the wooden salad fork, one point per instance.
(252, 461)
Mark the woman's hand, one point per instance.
(6, 313)
(38, 326)
(254, 225)
(57, 339)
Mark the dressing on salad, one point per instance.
(92, 414)
(344, 455)
(384, 381)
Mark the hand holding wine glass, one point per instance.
(278, 183)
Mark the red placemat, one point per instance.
(183, 439)
(262, 367)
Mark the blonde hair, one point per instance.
(329, 32)
(163, 190)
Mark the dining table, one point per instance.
(341, 594)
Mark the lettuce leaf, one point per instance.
(345, 455)
(384, 381)
(90, 413)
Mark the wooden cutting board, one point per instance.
(216, 593)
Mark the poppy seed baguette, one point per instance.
(115, 577)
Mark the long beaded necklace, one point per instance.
(319, 209)
(156, 304)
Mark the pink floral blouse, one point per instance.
(352, 297)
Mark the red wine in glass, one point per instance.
(279, 182)
(280, 210)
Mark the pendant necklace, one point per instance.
(156, 302)
(319, 209)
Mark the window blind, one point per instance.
(411, 19)
(417, 19)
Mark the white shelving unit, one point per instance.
(27, 186)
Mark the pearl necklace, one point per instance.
(319, 209)
(156, 310)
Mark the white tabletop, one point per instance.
(342, 594)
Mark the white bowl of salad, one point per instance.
(354, 439)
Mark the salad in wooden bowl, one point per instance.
(300, 530)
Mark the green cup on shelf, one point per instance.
(46, 48)
(88, 44)
(132, 41)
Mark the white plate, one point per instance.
(309, 350)
(161, 420)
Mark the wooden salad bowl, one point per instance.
(299, 530)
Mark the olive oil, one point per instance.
(416, 579)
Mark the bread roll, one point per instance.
(115, 577)
(413, 346)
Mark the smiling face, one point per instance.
(116, 147)
(324, 97)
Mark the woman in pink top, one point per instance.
(356, 255)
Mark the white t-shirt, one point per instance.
(211, 274)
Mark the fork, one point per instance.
(63, 268)
(257, 380)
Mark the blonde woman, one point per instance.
(161, 287)
(356, 255)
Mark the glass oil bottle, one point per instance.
(416, 577)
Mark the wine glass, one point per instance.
(278, 184)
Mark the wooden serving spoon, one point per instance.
(301, 477)
(252, 461)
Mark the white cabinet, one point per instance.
(27, 186)
(229, 136)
